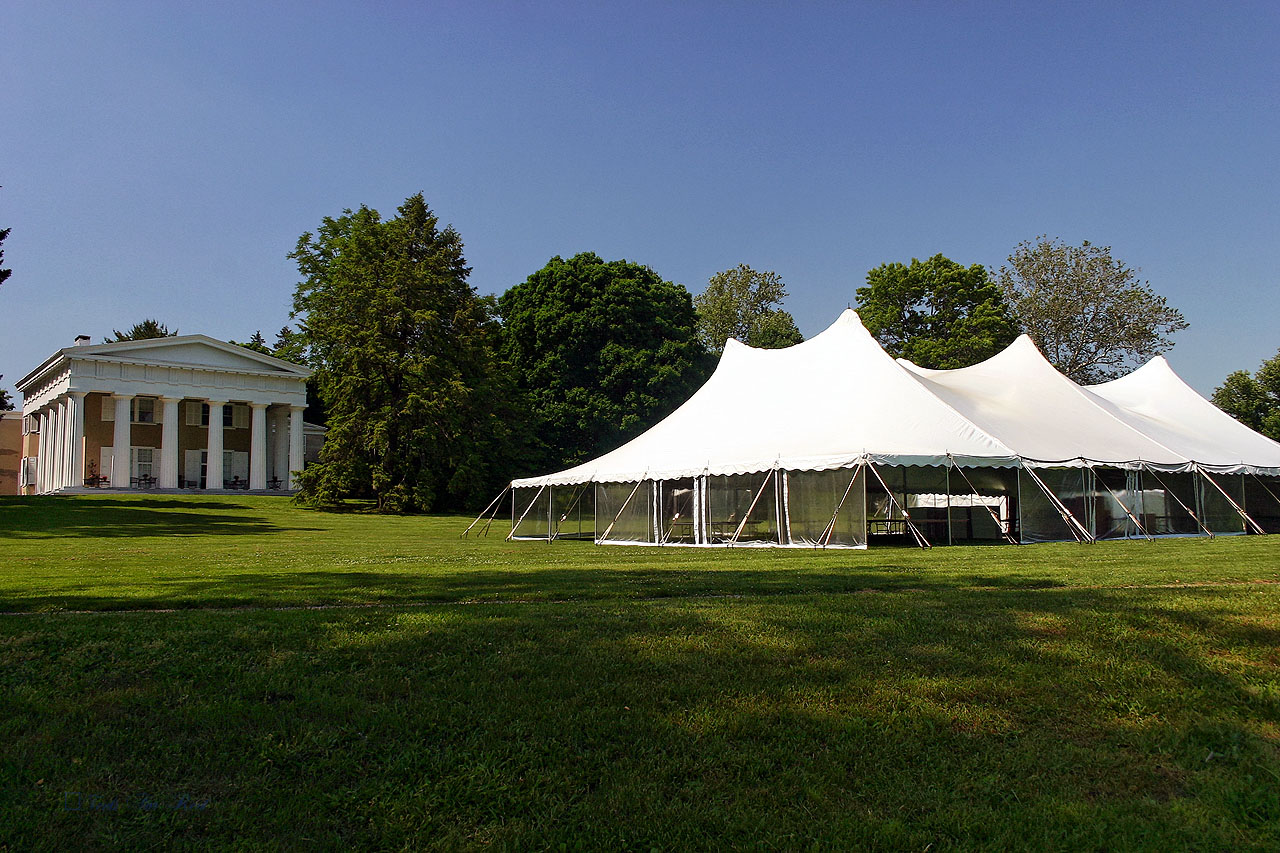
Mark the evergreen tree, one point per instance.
(256, 342)
(141, 331)
(420, 414)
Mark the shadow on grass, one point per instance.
(36, 518)
(949, 717)
(289, 587)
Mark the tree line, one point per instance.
(435, 396)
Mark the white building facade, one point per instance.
(181, 412)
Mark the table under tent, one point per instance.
(833, 443)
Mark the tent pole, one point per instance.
(1170, 491)
(622, 508)
(1007, 537)
(491, 505)
(1265, 488)
(750, 509)
(825, 538)
(784, 509)
(915, 531)
(1119, 502)
(951, 464)
(1072, 524)
(512, 534)
(1247, 520)
(699, 488)
(577, 496)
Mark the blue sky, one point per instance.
(161, 159)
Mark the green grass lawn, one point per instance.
(166, 679)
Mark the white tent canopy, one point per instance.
(825, 403)
(839, 398)
(832, 441)
(1018, 396)
(1154, 400)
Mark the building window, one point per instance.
(143, 461)
(144, 410)
(228, 418)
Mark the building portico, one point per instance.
(185, 412)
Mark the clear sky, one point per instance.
(161, 159)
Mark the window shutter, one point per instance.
(108, 408)
(193, 412)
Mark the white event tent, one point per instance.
(833, 443)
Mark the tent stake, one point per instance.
(1247, 520)
(915, 531)
(1072, 524)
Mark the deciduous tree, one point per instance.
(744, 304)
(1087, 311)
(936, 313)
(419, 411)
(603, 349)
(1253, 400)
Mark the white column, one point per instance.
(280, 445)
(60, 444)
(51, 444)
(213, 474)
(122, 438)
(76, 429)
(295, 445)
(169, 443)
(258, 447)
(42, 461)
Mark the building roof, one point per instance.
(188, 351)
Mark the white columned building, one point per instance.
(182, 412)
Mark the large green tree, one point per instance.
(744, 304)
(936, 313)
(420, 414)
(1254, 400)
(4, 273)
(145, 330)
(1087, 311)
(603, 349)
(6, 402)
